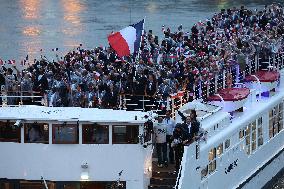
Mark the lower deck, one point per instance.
(17, 184)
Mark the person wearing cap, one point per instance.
(170, 124)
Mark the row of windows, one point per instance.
(275, 120)
(213, 153)
(68, 133)
(253, 135)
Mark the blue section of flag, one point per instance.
(139, 28)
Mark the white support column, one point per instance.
(120, 102)
(207, 90)
(194, 97)
(282, 59)
(23, 134)
(110, 134)
(273, 60)
(255, 63)
(173, 106)
(80, 134)
(224, 79)
(50, 133)
(216, 83)
(249, 64)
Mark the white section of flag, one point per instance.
(129, 34)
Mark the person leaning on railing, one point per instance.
(192, 125)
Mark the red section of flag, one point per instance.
(1, 62)
(119, 44)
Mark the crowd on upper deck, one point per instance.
(96, 77)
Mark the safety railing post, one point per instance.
(120, 102)
(194, 96)
(256, 62)
(216, 83)
(143, 103)
(224, 79)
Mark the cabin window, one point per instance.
(259, 121)
(253, 139)
(212, 154)
(276, 120)
(248, 139)
(280, 121)
(36, 133)
(220, 149)
(212, 166)
(227, 143)
(247, 131)
(65, 133)
(125, 134)
(9, 132)
(204, 172)
(241, 134)
(95, 134)
(271, 127)
(281, 107)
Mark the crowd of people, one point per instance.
(181, 61)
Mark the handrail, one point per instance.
(178, 177)
(168, 103)
(182, 164)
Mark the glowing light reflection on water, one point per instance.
(26, 26)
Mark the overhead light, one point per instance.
(84, 176)
(150, 168)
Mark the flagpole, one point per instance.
(130, 6)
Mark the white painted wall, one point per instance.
(247, 165)
(267, 174)
(62, 162)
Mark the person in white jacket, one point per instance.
(160, 132)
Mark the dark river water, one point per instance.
(26, 26)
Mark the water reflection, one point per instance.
(31, 31)
(72, 9)
(30, 8)
(31, 25)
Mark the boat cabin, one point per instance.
(71, 148)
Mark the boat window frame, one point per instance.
(54, 125)
(94, 125)
(17, 132)
(126, 134)
(39, 142)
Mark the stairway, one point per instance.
(163, 178)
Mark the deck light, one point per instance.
(85, 175)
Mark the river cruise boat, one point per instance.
(240, 144)
(89, 148)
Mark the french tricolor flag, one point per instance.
(127, 41)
